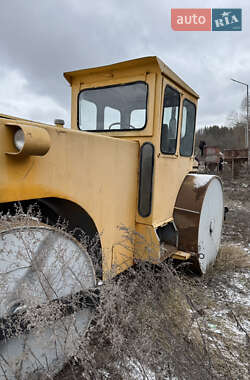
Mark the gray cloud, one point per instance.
(40, 40)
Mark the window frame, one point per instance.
(110, 86)
(195, 114)
(177, 124)
(142, 173)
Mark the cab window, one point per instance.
(170, 117)
(120, 107)
(187, 128)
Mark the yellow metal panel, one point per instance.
(129, 66)
(98, 173)
(180, 255)
(122, 257)
(147, 244)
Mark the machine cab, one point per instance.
(145, 101)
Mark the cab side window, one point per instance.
(170, 117)
(187, 128)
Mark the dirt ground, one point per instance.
(237, 199)
(227, 316)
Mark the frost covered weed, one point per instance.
(148, 317)
(151, 320)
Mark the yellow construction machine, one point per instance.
(126, 163)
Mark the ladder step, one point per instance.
(180, 255)
(168, 251)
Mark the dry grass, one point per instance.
(232, 257)
(150, 320)
(154, 320)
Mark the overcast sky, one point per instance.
(41, 39)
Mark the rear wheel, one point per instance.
(44, 278)
(198, 215)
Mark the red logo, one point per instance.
(195, 19)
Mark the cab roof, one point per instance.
(144, 62)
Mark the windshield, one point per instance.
(113, 108)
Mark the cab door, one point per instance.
(174, 150)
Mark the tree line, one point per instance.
(226, 137)
(222, 137)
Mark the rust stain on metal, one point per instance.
(229, 154)
(187, 212)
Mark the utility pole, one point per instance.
(247, 137)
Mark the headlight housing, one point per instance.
(28, 140)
